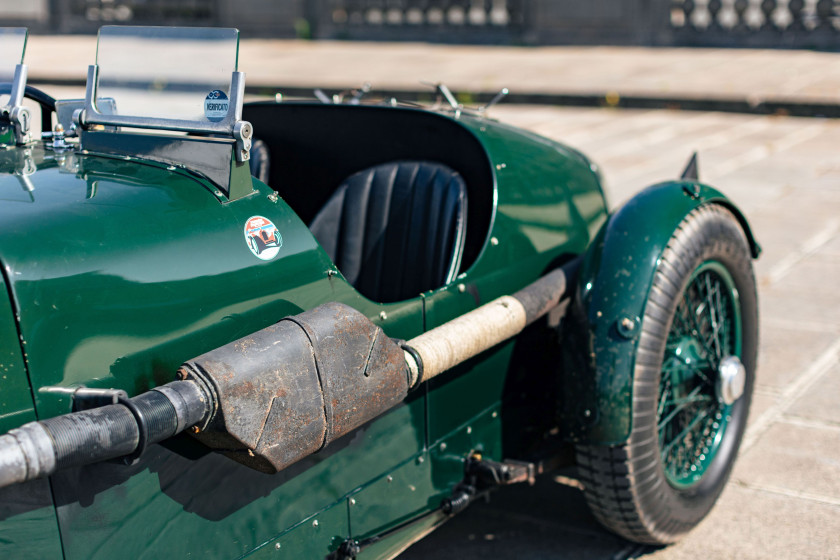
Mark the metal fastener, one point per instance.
(352, 501)
(443, 447)
(469, 429)
(315, 523)
(462, 288)
(627, 326)
(277, 546)
(494, 241)
(383, 315)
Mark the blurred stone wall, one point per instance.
(713, 23)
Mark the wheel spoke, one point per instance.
(690, 418)
(696, 420)
(710, 291)
(683, 403)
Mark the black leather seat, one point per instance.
(397, 229)
(260, 160)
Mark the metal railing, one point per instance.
(760, 23)
(75, 16)
(717, 23)
(445, 20)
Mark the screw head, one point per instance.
(627, 326)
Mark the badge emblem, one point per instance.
(216, 105)
(263, 238)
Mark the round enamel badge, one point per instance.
(262, 237)
(216, 105)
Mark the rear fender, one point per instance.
(600, 334)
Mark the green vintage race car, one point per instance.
(305, 330)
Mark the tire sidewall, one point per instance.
(716, 236)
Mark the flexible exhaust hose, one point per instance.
(38, 449)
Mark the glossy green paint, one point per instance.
(16, 406)
(400, 495)
(27, 514)
(123, 269)
(549, 204)
(7, 134)
(614, 282)
(314, 537)
(28, 526)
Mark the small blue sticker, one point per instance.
(216, 105)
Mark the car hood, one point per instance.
(119, 270)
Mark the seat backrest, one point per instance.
(397, 229)
(260, 161)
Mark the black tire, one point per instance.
(260, 244)
(658, 485)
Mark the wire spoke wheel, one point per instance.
(692, 420)
(692, 386)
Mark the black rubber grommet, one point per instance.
(142, 429)
(417, 359)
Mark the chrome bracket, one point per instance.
(18, 115)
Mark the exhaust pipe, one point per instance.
(123, 429)
(274, 397)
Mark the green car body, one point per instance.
(116, 270)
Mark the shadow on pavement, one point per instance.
(548, 520)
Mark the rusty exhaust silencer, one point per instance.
(289, 390)
(272, 398)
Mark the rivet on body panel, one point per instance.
(627, 326)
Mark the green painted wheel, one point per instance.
(692, 387)
(692, 418)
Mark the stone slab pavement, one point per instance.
(742, 74)
(783, 500)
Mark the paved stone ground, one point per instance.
(783, 500)
(784, 497)
(691, 73)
